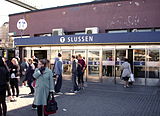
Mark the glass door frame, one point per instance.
(110, 48)
(67, 50)
(99, 76)
(152, 64)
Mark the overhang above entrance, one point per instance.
(107, 38)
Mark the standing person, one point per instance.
(82, 64)
(4, 78)
(6, 63)
(74, 74)
(29, 75)
(14, 71)
(35, 61)
(44, 85)
(58, 71)
(126, 72)
(109, 67)
(23, 68)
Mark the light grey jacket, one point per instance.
(44, 84)
(58, 67)
(126, 68)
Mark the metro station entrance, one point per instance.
(104, 62)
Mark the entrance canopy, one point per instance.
(106, 38)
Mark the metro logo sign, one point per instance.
(76, 39)
(22, 24)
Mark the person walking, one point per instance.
(58, 71)
(44, 85)
(15, 75)
(4, 78)
(74, 74)
(126, 72)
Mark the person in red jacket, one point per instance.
(81, 71)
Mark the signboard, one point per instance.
(22, 24)
(104, 38)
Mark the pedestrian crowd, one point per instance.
(42, 80)
(39, 77)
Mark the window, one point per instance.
(157, 30)
(75, 33)
(117, 31)
(141, 30)
(139, 55)
(41, 35)
(79, 33)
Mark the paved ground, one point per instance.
(96, 100)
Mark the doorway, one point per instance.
(108, 65)
(152, 67)
(66, 58)
(94, 65)
(40, 54)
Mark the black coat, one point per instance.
(29, 74)
(4, 78)
(74, 67)
(14, 69)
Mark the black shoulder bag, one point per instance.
(51, 106)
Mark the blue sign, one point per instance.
(106, 38)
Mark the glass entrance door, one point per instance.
(93, 65)
(81, 52)
(66, 58)
(108, 64)
(139, 63)
(152, 66)
(41, 54)
(120, 55)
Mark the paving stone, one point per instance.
(96, 100)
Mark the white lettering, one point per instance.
(90, 38)
(68, 39)
(86, 39)
(82, 38)
(71, 39)
(77, 39)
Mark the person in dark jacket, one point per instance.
(74, 74)
(29, 75)
(7, 64)
(15, 75)
(23, 68)
(4, 78)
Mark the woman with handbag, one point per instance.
(44, 85)
(126, 72)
